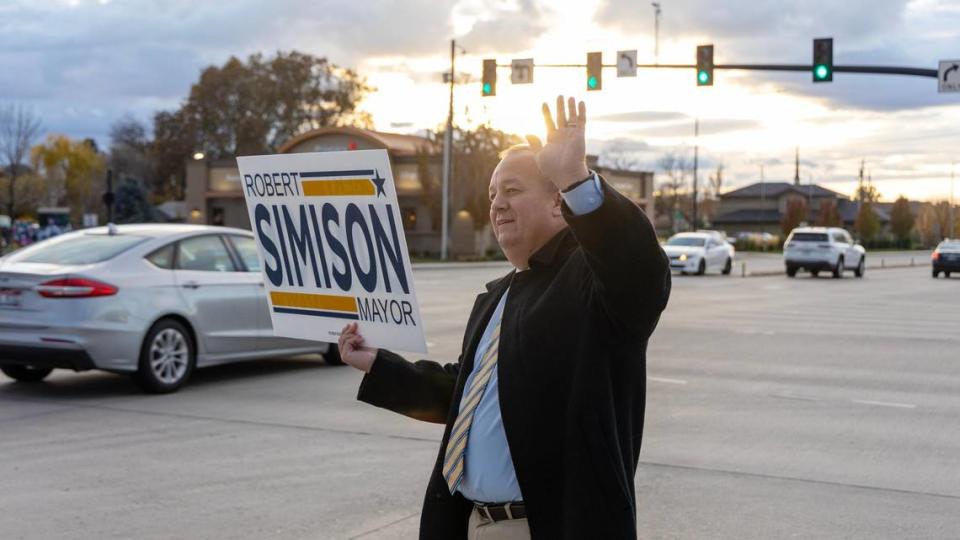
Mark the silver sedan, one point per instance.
(154, 301)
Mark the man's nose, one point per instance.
(499, 202)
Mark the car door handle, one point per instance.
(191, 285)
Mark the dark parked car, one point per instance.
(946, 258)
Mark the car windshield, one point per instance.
(83, 249)
(952, 244)
(809, 237)
(686, 241)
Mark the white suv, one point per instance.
(823, 248)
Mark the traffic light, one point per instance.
(705, 65)
(489, 87)
(823, 60)
(594, 71)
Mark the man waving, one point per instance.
(544, 408)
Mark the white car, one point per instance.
(817, 249)
(154, 301)
(698, 252)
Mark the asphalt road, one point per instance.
(777, 408)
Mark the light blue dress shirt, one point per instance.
(489, 475)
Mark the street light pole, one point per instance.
(656, 32)
(447, 159)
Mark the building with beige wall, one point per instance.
(214, 196)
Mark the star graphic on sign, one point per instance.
(378, 181)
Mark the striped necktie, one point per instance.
(453, 464)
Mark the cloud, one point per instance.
(515, 27)
(641, 116)
(712, 126)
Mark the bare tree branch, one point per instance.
(18, 129)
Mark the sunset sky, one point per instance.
(81, 65)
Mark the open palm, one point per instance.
(562, 159)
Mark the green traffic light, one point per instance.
(592, 82)
(703, 77)
(487, 89)
(821, 72)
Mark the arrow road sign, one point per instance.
(626, 63)
(521, 71)
(949, 76)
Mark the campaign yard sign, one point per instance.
(332, 248)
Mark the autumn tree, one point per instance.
(18, 129)
(795, 214)
(901, 220)
(254, 106)
(867, 224)
(72, 172)
(829, 214)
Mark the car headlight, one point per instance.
(683, 257)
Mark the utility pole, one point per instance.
(656, 32)
(953, 225)
(696, 152)
(447, 160)
(796, 168)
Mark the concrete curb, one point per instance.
(456, 265)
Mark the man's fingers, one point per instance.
(548, 120)
(571, 111)
(582, 115)
(534, 143)
(561, 113)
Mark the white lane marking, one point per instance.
(797, 397)
(754, 332)
(884, 404)
(666, 380)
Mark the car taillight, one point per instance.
(935, 256)
(75, 288)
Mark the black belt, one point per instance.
(501, 512)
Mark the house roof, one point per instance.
(775, 189)
(848, 211)
(397, 144)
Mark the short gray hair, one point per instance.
(524, 149)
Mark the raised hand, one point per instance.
(563, 159)
(352, 350)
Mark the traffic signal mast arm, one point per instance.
(876, 70)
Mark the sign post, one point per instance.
(331, 245)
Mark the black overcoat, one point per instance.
(572, 372)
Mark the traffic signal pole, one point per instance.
(447, 160)
(876, 70)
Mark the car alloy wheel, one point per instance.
(169, 356)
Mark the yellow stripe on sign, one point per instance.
(314, 301)
(337, 186)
